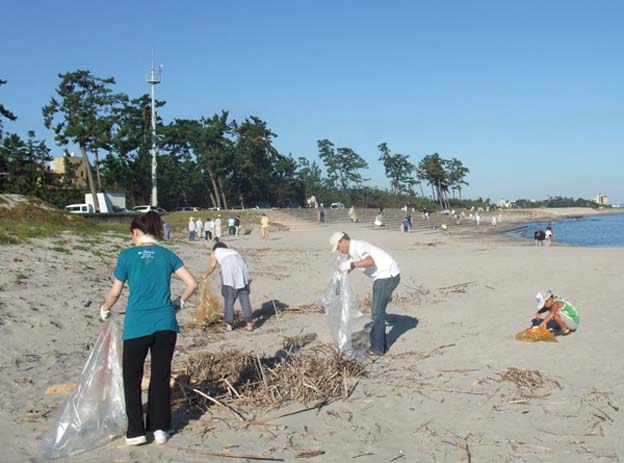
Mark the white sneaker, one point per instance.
(139, 440)
(161, 437)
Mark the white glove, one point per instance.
(178, 304)
(346, 266)
(104, 314)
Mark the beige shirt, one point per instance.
(264, 221)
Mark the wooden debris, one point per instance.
(209, 453)
(59, 389)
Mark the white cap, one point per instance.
(334, 240)
(541, 298)
(192, 218)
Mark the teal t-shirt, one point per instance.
(148, 269)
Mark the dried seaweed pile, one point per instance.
(536, 334)
(208, 309)
(527, 381)
(254, 383)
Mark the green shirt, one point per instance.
(148, 269)
(569, 310)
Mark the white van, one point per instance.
(79, 209)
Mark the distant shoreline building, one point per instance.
(601, 199)
(79, 177)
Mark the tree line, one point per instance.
(211, 161)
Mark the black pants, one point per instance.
(161, 345)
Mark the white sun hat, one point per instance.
(334, 240)
(541, 298)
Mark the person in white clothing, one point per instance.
(377, 264)
(191, 229)
(199, 227)
(234, 282)
(217, 228)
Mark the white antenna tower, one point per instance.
(153, 81)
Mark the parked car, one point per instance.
(79, 209)
(144, 209)
(215, 209)
(237, 208)
(336, 206)
(263, 205)
(187, 209)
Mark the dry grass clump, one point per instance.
(254, 383)
(208, 309)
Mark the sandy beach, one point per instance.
(454, 386)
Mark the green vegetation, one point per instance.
(556, 202)
(33, 218)
(21, 276)
(211, 161)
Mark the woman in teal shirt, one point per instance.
(150, 325)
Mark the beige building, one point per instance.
(601, 199)
(80, 170)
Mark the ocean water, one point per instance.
(605, 231)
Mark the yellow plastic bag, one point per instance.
(536, 334)
(208, 310)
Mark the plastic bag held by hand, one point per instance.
(341, 307)
(95, 411)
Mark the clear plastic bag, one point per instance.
(95, 411)
(342, 309)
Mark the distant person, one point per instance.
(231, 226)
(539, 237)
(199, 228)
(234, 282)
(217, 228)
(167, 230)
(477, 219)
(321, 214)
(409, 220)
(149, 325)
(405, 225)
(191, 229)
(264, 227)
(237, 225)
(208, 226)
(561, 314)
(379, 220)
(493, 220)
(377, 264)
(549, 235)
(352, 214)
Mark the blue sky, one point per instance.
(529, 95)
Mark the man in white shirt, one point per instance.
(234, 282)
(377, 264)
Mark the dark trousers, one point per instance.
(208, 235)
(229, 298)
(161, 345)
(382, 292)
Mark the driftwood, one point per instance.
(209, 453)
